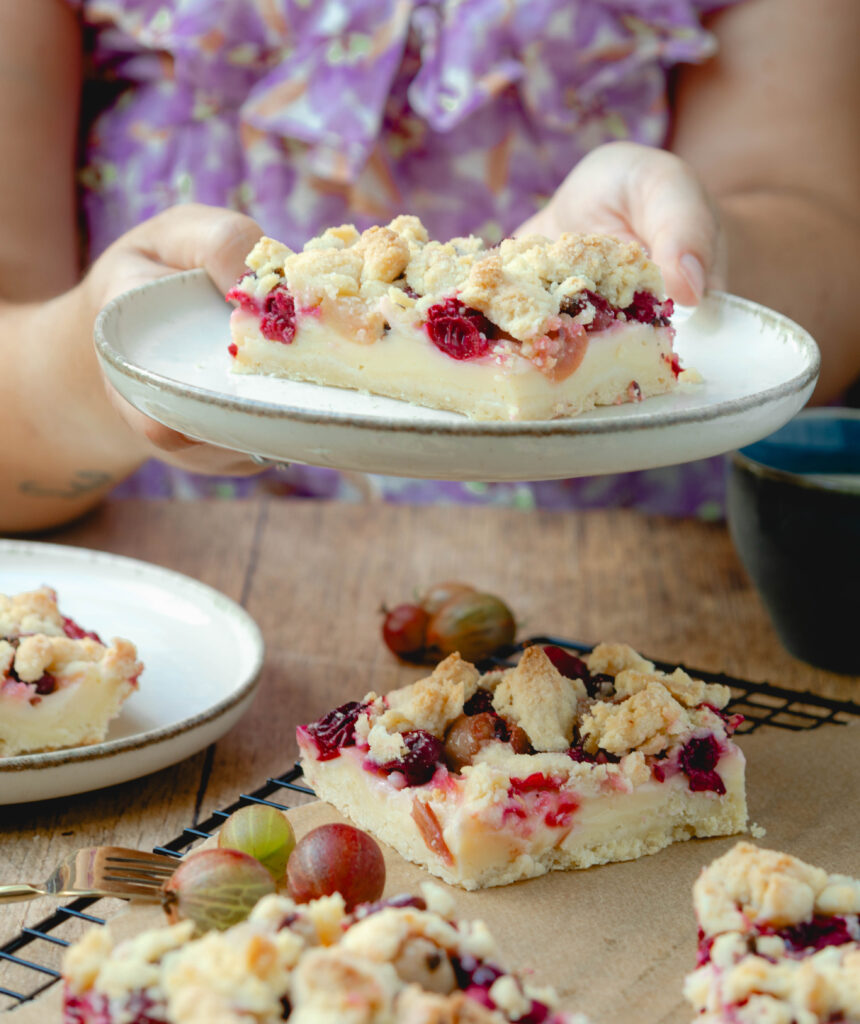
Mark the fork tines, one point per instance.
(132, 868)
(150, 862)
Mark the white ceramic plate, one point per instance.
(202, 655)
(164, 347)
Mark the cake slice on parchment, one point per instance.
(60, 686)
(556, 763)
(529, 329)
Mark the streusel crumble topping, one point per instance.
(521, 286)
(752, 885)
(546, 720)
(35, 611)
(35, 655)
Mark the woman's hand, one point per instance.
(638, 193)
(181, 238)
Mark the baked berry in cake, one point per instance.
(405, 960)
(557, 763)
(529, 329)
(779, 941)
(60, 685)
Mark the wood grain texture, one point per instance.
(314, 575)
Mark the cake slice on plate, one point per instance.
(60, 686)
(556, 763)
(779, 941)
(405, 960)
(529, 329)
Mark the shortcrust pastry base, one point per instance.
(608, 827)
(622, 363)
(76, 715)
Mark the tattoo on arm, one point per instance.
(85, 481)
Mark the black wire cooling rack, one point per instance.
(33, 957)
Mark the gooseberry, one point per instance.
(467, 734)
(264, 833)
(475, 624)
(215, 888)
(441, 593)
(336, 858)
(404, 629)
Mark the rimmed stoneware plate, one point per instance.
(164, 348)
(202, 655)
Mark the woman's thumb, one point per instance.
(674, 216)
(192, 235)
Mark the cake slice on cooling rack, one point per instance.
(529, 329)
(779, 941)
(402, 961)
(60, 686)
(556, 763)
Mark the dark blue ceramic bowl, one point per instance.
(793, 507)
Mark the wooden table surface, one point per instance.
(314, 576)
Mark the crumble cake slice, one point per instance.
(529, 329)
(556, 763)
(779, 941)
(404, 960)
(60, 686)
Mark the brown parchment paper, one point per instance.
(617, 940)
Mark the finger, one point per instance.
(131, 269)
(209, 460)
(589, 200)
(673, 215)
(577, 217)
(178, 449)
(193, 235)
(541, 223)
(195, 456)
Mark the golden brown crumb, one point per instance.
(519, 285)
(432, 703)
(385, 254)
(538, 698)
(649, 721)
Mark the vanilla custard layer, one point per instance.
(75, 714)
(405, 364)
(491, 847)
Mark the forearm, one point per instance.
(40, 80)
(63, 447)
(799, 254)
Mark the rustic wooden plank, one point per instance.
(209, 540)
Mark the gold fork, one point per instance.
(101, 871)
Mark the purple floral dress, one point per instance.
(309, 113)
